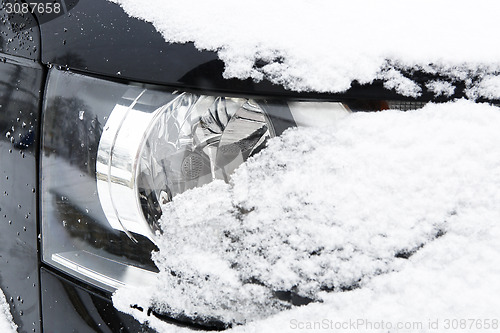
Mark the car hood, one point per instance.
(98, 37)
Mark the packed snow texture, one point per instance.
(6, 323)
(325, 45)
(385, 216)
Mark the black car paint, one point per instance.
(98, 38)
(20, 85)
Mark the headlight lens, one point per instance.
(112, 152)
(145, 157)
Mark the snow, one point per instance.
(489, 87)
(319, 45)
(388, 216)
(384, 217)
(441, 88)
(6, 323)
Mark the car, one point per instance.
(86, 91)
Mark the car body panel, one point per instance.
(99, 37)
(20, 85)
(94, 37)
(19, 35)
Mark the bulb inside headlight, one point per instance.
(146, 158)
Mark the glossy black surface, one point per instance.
(97, 36)
(19, 34)
(20, 85)
(68, 307)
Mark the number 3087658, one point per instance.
(33, 7)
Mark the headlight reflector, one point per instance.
(145, 157)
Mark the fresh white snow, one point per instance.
(324, 45)
(341, 208)
(6, 323)
(384, 218)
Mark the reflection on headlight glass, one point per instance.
(113, 153)
(147, 157)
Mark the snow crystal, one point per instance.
(488, 87)
(401, 84)
(6, 323)
(389, 215)
(319, 45)
(441, 88)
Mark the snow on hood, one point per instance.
(389, 215)
(325, 45)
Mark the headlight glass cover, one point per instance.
(146, 158)
(112, 153)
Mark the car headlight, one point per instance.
(113, 152)
(146, 157)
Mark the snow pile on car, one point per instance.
(320, 45)
(387, 215)
(6, 323)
